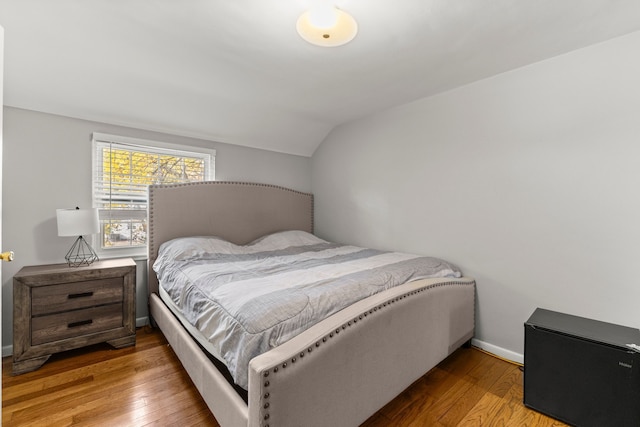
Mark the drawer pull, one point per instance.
(80, 295)
(80, 323)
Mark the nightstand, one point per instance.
(58, 308)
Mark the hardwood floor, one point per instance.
(146, 386)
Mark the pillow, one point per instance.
(184, 248)
(284, 239)
(199, 247)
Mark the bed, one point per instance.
(340, 370)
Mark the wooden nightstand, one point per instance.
(58, 308)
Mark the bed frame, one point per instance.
(340, 371)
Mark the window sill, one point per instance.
(136, 255)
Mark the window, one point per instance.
(123, 168)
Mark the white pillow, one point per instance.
(184, 248)
(284, 239)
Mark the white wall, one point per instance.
(529, 180)
(47, 165)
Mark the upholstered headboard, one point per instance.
(239, 212)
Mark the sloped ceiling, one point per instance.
(236, 71)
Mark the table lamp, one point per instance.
(78, 222)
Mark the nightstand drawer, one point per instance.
(57, 327)
(72, 296)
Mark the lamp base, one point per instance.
(81, 253)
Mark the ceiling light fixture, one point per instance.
(326, 25)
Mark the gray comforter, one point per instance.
(248, 299)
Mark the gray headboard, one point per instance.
(239, 212)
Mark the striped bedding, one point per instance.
(248, 299)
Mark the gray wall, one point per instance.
(528, 180)
(47, 165)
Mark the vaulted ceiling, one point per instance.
(236, 71)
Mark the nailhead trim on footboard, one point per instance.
(269, 375)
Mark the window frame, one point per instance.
(165, 148)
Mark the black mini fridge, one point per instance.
(581, 371)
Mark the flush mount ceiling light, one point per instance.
(327, 26)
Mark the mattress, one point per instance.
(241, 301)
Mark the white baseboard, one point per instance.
(140, 321)
(498, 351)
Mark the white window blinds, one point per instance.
(123, 168)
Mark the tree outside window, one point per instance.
(122, 173)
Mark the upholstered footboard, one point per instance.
(343, 369)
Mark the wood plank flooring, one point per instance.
(146, 386)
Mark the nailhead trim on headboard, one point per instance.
(252, 184)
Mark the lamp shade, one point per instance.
(77, 222)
